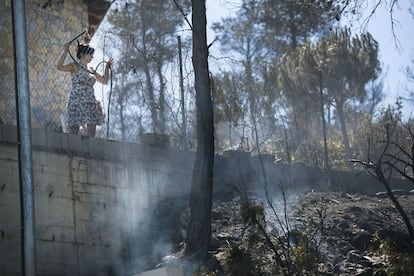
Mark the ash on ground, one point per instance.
(348, 231)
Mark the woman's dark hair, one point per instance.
(84, 49)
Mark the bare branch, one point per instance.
(184, 15)
(401, 172)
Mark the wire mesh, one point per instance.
(130, 109)
(47, 30)
(7, 101)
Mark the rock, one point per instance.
(396, 192)
(343, 225)
(348, 268)
(361, 241)
(214, 242)
(374, 260)
(354, 256)
(215, 215)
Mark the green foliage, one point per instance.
(143, 34)
(296, 255)
(204, 272)
(240, 262)
(304, 254)
(252, 214)
(341, 65)
(292, 22)
(393, 260)
(390, 142)
(275, 87)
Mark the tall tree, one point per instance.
(228, 106)
(288, 24)
(347, 64)
(242, 35)
(149, 30)
(350, 64)
(125, 102)
(199, 227)
(300, 89)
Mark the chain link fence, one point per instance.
(130, 109)
(47, 31)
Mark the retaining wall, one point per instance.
(111, 208)
(91, 197)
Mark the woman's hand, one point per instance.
(67, 46)
(110, 62)
(104, 79)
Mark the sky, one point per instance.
(396, 53)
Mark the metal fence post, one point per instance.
(24, 139)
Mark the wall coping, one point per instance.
(89, 147)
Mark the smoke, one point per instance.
(147, 197)
(145, 215)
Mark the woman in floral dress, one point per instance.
(82, 108)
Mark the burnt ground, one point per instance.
(345, 228)
(353, 227)
(348, 231)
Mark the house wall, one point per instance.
(110, 208)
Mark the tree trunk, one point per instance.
(161, 104)
(199, 227)
(380, 173)
(121, 107)
(341, 115)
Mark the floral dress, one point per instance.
(82, 107)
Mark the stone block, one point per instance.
(93, 193)
(155, 139)
(118, 176)
(9, 133)
(39, 137)
(57, 269)
(116, 151)
(139, 178)
(98, 259)
(55, 163)
(78, 144)
(55, 252)
(97, 148)
(10, 254)
(55, 233)
(164, 271)
(9, 267)
(97, 224)
(9, 153)
(79, 170)
(49, 163)
(98, 172)
(79, 163)
(138, 152)
(54, 211)
(56, 140)
(10, 209)
(53, 186)
(9, 173)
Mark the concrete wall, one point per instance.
(110, 208)
(92, 197)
